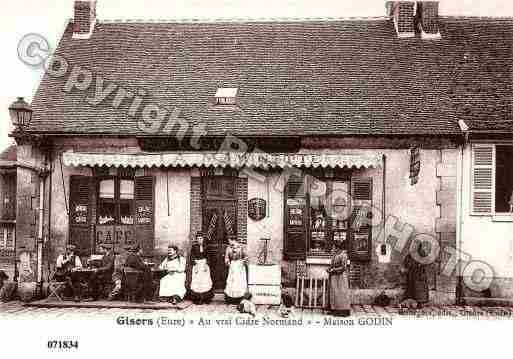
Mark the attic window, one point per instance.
(226, 95)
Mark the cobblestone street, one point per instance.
(218, 309)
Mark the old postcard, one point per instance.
(321, 169)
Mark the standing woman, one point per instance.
(172, 285)
(339, 295)
(201, 282)
(416, 277)
(237, 282)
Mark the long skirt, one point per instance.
(236, 283)
(201, 280)
(340, 297)
(173, 285)
(417, 286)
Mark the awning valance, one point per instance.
(228, 159)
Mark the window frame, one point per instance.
(116, 200)
(492, 212)
(329, 231)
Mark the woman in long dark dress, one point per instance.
(339, 294)
(201, 280)
(416, 277)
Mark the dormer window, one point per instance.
(226, 95)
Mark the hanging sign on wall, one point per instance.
(257, 209)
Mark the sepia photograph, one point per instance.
(308, 167)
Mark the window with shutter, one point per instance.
(295, 220)
(80, 200)
(360, 244)
(145, 213)
(483, 158)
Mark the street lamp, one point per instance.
(21, 114)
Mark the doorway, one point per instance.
(219, 223)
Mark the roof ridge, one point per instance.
(246, 19)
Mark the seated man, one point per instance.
(7, 289)
(135, 261)
(3, 278)
(66, 262)
(103, 274)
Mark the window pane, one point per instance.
(107, 189)
(126, 212)
(126, 189)
(318, 216)
(504, 179)
(106, 212)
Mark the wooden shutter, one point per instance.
(360, 242)
(145, 213)
(295, 220)
(483, 184)
(80, 210)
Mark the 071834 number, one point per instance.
(62, 344)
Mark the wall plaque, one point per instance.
(257, 209)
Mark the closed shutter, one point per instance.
(80, 200)
(295, 220)
(145, 213)
(483, 159)
(360, 243)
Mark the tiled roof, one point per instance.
(347, 77)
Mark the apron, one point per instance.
(201, 280)
(236, 283)
(173, 284)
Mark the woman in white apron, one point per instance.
(236, 283)
(201, 282)
(172, 285)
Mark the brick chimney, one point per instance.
(403, 13)
(428, 24)
(84, 19)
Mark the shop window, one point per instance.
(116, 203)
(7, 237)
(320, 211)
(492, 179)
(329, 215)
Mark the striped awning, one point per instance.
(228, 159)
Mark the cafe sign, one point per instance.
(257, 209)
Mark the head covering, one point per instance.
(71, 247)
(106, 245)
(342, 245)
(133, 248)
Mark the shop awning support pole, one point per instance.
(40, 241)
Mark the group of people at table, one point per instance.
(171, 271)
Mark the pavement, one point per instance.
(220, 309)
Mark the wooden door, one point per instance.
(219, 223)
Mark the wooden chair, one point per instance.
(311, 293)
(55, 289)
(133, 284)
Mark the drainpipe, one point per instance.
(459, 285)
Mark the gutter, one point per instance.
(459, 286)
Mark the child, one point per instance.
(247, 306)
(286, 307)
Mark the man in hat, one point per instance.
(3, 278)
(66, 262)
(103, 274)
(7, 288)
(134, 261)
